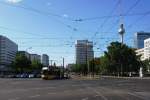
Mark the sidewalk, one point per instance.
(97, 77)
(125, 77)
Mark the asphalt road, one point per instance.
(103, 89)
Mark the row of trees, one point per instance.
(22, 64)
(119, 59)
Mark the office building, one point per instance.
(84, 51)
(35, 57)
(45, 60)
(8, 50)
(24, 53)
(139, 39)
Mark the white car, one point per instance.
(31, 75)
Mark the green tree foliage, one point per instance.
(119, 59)
(94, 66)
(21, 63)
(79, 68)
(146, 65)
(36, 65)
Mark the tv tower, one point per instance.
(121, 31)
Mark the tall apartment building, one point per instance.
(45, 60)
(139, 39)
(35, 57)
(84, 51)
(8, 50)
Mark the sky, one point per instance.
(53, 26)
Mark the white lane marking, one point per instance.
(51, 93)
(97, 92)
(85, 98)
(100, 94)
(17, 98)
(75, 85)
(138, 96)
(34, 96)
(14, 83)
(38, 88)
(96, 95)
(11, 91)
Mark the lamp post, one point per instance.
(63, 66)
(28, 49)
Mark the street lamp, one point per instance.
(28, 49)
(63, 66)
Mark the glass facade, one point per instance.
(139, 39)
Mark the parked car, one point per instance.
(31, 76)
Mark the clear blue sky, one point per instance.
(48, 26)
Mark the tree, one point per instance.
(36, 66)
(21, 63)
(119, 59)
(146, 65)
(79, 68)
(94, 66)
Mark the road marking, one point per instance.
(51, 93)
(98, 93)
(85, 98)
(138, 96)
(34, 96)
(38, 88)
(17, 98)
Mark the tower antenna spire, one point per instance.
(121, 30)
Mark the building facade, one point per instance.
(45, 60)
(25, 54)
(36, 57)
(147, 48)
(139, 39)
(84, 51)
(140, 52)
(8, 50)
(144, 52)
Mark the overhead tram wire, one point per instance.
(27, 7)
(137, 20)
(41, 13)
(106, 19)
(20, 31)
(56, 15)
(127, 13)
(47, 14)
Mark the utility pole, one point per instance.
(63, 67)
(87, 65)
(51, 62)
